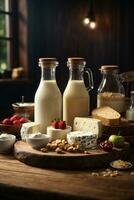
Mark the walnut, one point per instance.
(53, 146)
(59, 150)
(70, 149)
(66, 146)
(45, 150)
(57, 141)
(86, 152)
(48, 146)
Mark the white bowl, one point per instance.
(58, 133)
(39, 141)
(7, 142)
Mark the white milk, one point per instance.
(48, 103)
(75, 101)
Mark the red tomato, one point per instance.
(15, 117)
(16, 122)
(7, 121)
(23, 120)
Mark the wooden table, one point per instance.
(20, 181)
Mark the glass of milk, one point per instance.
(130, 111)
(48, 100)
(76, 98)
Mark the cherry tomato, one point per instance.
(15, 117)
(23, 120)
(7, 121)
(16, 122)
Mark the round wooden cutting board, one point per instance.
(96, 159)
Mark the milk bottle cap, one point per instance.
(47, 61)
(73, 61)
(107, 68)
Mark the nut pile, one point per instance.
(111, 173)
(121, 164)
(62, 146)
(107, 173)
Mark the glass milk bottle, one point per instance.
(48, 100)
(130, 111)
(111, 91)
(76, 98)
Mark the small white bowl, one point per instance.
(6, 142)
(38, 141)
(58, 133)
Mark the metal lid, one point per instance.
(109, 68)
(43, 61)
(75, 60)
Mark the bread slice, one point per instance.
(107, 115)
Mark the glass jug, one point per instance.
(76, 98)
(111, 91)
(130, 111)
(48, 100)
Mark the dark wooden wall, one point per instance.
(55, 29)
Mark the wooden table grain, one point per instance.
(19, 181)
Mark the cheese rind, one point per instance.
(29, 128)
(88, 124)
(86, 140)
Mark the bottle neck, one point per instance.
(111, 76)
(76, 73)
(48, 73)
(111, 83)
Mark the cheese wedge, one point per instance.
(88, 124)
(86, 140)
(29, 128)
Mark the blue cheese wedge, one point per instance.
(28, 129)
(88, 125)
(86, 140)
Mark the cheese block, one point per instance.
(58, 133)
(29, 128)
(86, 140)
(88, 124)
(107, 115)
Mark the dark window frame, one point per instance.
(12, 37)
(18, 56)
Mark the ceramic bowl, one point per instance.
(7, 142)
(11, 129)
(39, 141)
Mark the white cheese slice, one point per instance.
(88, 124)
(86, 140)
(29, 128)
(58, 133)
